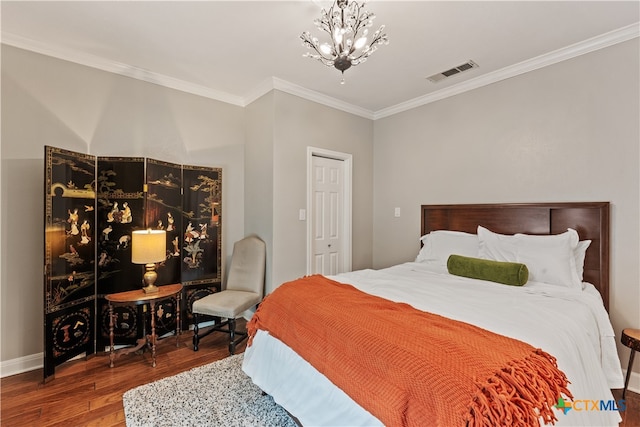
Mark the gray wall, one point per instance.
(299, 124)
(46, 101)
(280, 127)
(258, 160)
(567, 132)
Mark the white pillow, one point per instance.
(550, 259)
(498, 247)
(439, 244)
(580, 253)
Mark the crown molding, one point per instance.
(320, 98)
(262, 89)
(115, 67)
(599, 42)
(274, 83)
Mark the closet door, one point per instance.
(327, 216)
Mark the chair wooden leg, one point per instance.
(626, 380)
(228, 327)
(232, 336)
(196, 339)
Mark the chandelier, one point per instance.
(347, 24)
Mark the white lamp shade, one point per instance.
(148, 246)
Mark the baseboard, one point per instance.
(26, 364)
(21, 364)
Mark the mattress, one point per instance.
(570, 324)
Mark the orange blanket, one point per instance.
(408, 367)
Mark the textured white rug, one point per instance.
(217, 394)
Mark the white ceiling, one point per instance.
(235, 51)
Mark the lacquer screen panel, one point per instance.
(69, 276)
(202, 223)
(120, 211)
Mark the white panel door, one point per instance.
(327, 215)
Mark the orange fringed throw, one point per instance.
(408, 367)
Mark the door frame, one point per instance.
(346, 201)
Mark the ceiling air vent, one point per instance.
(452, 72)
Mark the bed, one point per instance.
(567, 321)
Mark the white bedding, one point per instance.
(570, 324)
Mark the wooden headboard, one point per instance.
(589, 219)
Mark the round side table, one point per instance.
(631, 339)
(138, 297)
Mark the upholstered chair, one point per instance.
(244, 289)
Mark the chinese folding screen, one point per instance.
(92, 205)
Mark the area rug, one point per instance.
(217, 394)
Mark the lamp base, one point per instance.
(149, 279)
(151, 289)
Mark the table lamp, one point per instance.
(148, 247)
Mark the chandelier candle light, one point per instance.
(347, 24)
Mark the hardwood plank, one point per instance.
(20, 419)
(631, 415)
(105, 398)
(61, 411)
(46, 394)
(109, 415)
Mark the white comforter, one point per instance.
(571, 325)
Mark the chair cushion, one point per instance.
(228, 303)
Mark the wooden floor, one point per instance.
(631, 416)
(89, 393)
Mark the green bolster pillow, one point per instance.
(508, 273)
